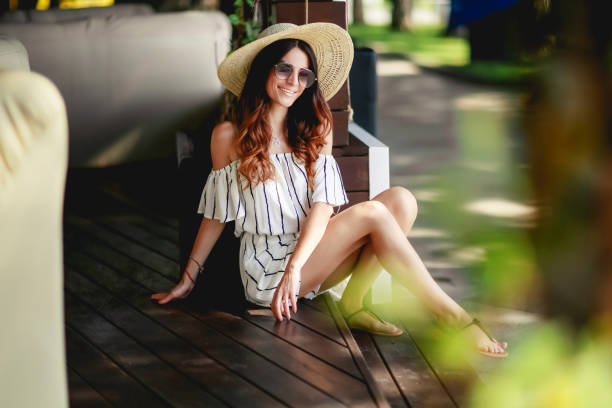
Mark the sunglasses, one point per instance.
(284, 70)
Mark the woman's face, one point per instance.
(285, 91)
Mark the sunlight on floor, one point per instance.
(396, 68)
(488, 102)
(426, 233)
(498, 207)
(468, 255)
(398, 159)
(486, 167)
(428, 195)
(506, 316)
(431, 265)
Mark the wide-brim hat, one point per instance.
(331, 44)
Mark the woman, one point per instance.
(274, 175)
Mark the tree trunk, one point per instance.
(401, 16)
(358, 12)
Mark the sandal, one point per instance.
(477, 323)
(382, 328)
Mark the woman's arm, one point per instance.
(314, 225)
(310, 235)
(221, 149)
(208, 234)
(288, 289)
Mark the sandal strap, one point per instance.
(477, 323)
(363, 309)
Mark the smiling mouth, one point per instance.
(287, 91)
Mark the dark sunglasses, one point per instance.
(284, 70)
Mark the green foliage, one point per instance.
(425, 44)
(245, 29)
(549, 367)
(429, 46)
(234, 19)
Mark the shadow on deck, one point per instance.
(121, 245)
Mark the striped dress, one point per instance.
(268, 216)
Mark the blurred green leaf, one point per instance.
(248, 26)
(548, 367)
(234, 19)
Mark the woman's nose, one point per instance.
(293, 78)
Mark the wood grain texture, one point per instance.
(160, 378)
(355, 174)
(251, 351)
(318, 12)
(341, 134)
(83, 395)
(109, 379)
(379, 370)
(166, 345)
(340, 101)
(417, 382)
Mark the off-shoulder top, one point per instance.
(277, 206)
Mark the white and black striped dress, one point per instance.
(268, 216)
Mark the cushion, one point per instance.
(13, 54)
(59, 15)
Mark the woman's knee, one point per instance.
(372, 212)
(403, 205)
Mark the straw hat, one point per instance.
(331, 44)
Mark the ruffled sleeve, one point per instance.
(328, 185)
(221, 196)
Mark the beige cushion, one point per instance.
(33, 160)
(13, 54)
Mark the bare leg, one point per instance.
(364, 265)
(372, 224)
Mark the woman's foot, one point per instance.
(485, 344)
(364, 319)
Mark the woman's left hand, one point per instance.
(286, 294)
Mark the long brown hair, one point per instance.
(309, 119)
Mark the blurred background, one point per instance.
(497, 114)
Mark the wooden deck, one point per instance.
(124, 350)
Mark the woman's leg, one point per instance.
(363, 264)
(371, 223)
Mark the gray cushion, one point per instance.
(58, 15)
(13, 54)
(127, 81)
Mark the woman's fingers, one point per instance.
(294, 304)
(275, 306)
(293, 301)
(284, 301)
(163, 298)
(170, 296)
(158, 296)
(286, 304)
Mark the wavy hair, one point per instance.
(309, 119)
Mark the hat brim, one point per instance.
(330, 43)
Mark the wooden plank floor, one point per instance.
(124, 350)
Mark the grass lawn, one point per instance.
(428, 46)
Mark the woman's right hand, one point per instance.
(180, 291)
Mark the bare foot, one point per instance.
(486, 344)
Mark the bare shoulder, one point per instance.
(222, 147)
